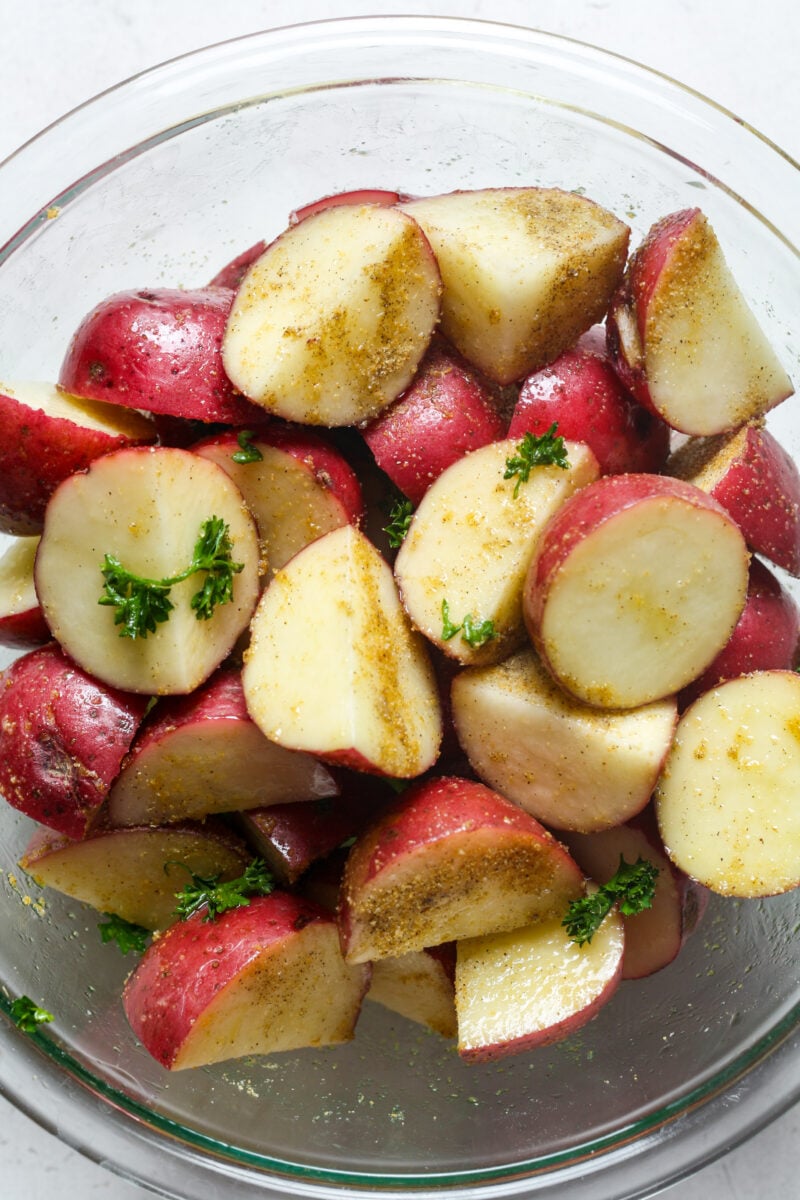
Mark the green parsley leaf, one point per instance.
(129, 937)
(218, 897)
(399, 520)
(547, 450)
(473, 631)
(140, 604)
(247, 452)
(632, 887)
(28, 1016)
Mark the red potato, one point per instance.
(331, 322)
(232, 274)
(21, 622)
(46, 436)
(420, 986)
(654, 936)
(159, 350)
(445, 412)
(765, 638)
(568, 765)
(525, 271)
(470, 544)
(299, 489)
(291, 837)
(259, 979)
(682, 337)
(148, 508)
(452, 859)
(750, 474)
(637, 585)
(63, 736)
(335, 669)
(376, 196)
(202, 754)
(726, 802)
(134, 873)
(531, 987)
(581, 393)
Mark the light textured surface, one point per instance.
(56, 56)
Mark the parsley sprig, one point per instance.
(399, 520)
(129, 938)
(474, 632)
(28, 1016)
(546, 450)
(141, 604)
(218, 897)
(632, 887)
(247, 452)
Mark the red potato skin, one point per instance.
(63, 736)
(290, 837)
(37, 452)
(428, 812)
(329, 467)
(653, 939)
(581, 393)
(23, 630)
(157, 350)
(232, 274)
(182, 972)
(447, 411)
(761, 491)
(634, 295)
(376, 196)
(765, 638)
(586, 511)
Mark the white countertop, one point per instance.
(57, 55)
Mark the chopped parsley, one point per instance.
(474, 632)
(28, 1016)
(218, 897)
(547, 450)
(632, 887)
(399, 520)
(128, 937)
(247, 452)
(140, 604)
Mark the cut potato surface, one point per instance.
(525, 271)
(532, 986)
(259, 979)
(727, 799)
(334, 667)
(147, 507)
(471, 541)
(330, 323)
(418, 986)
(569, 765)
(134, 873)
(638, 585)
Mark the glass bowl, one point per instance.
(159, 182)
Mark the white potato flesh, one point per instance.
(17, 591)
(525, 271)
(330, 323)
(291, 505)
(708, 364)
(134, 873)
(334, 667)
(727, 799)
(569, 765)
(147, 507)
(89, 414)
(297, 992)
(644, 602)
(471, 541)
(212, 767)
(532, 986)
(416, 986)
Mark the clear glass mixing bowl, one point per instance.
(159, 182)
